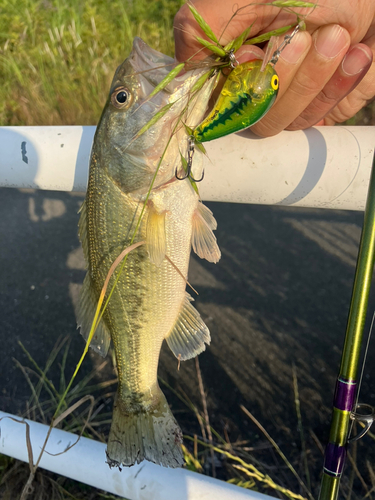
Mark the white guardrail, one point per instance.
(322, 167)
(85, 462)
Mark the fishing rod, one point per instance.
(346, 409)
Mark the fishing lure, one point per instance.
(247, 95)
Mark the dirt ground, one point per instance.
(279, 297)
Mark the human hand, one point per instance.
(326, 73)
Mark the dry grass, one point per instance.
(80, 419)
(207, 450)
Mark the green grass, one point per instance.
(57, 58)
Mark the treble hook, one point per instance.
(191, 149)
(367, 418)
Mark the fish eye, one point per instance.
(120, 97)
(275, 82)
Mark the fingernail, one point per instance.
(293, 52)
(355, 61)
(248, 53)
(330, 40)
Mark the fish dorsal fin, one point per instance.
(189, 335)
(203, 239)
(86, 312)
(155, 235)
(82, 230)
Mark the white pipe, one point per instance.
(85, 462)
(327, 167)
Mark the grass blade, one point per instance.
(191, 462)
(203, 25)
(270, 482)
(266, 36)
(200, 147)
(205, 413)
(277, 448)
(189, 130)
(292, 3)
(250, 470)
(154, 119)
(239, 41)
(210, 46)
(200, 82)
(68, 412)
(167, 79)
(300, 427)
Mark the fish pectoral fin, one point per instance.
(207, 215)
(189, 335)
(155, 235)
(86, 312)
(203, 239)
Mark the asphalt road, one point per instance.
(279, 297)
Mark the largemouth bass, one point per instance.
(149, 303)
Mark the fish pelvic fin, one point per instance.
(155, 235)
(142, 434)
(189, 336)
(203, 239)
(86, 312)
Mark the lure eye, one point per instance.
(121, 97)
(275, 82)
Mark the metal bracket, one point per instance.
(368, 418)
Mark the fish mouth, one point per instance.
(152, 64)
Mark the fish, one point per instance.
(133, 196)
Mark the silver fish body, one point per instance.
(149, 303)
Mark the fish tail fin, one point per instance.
(152, 435)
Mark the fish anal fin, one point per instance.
(155, 235)
(86, 312)
(203, 239)
(189, 336)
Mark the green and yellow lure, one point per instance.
(247, 95)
